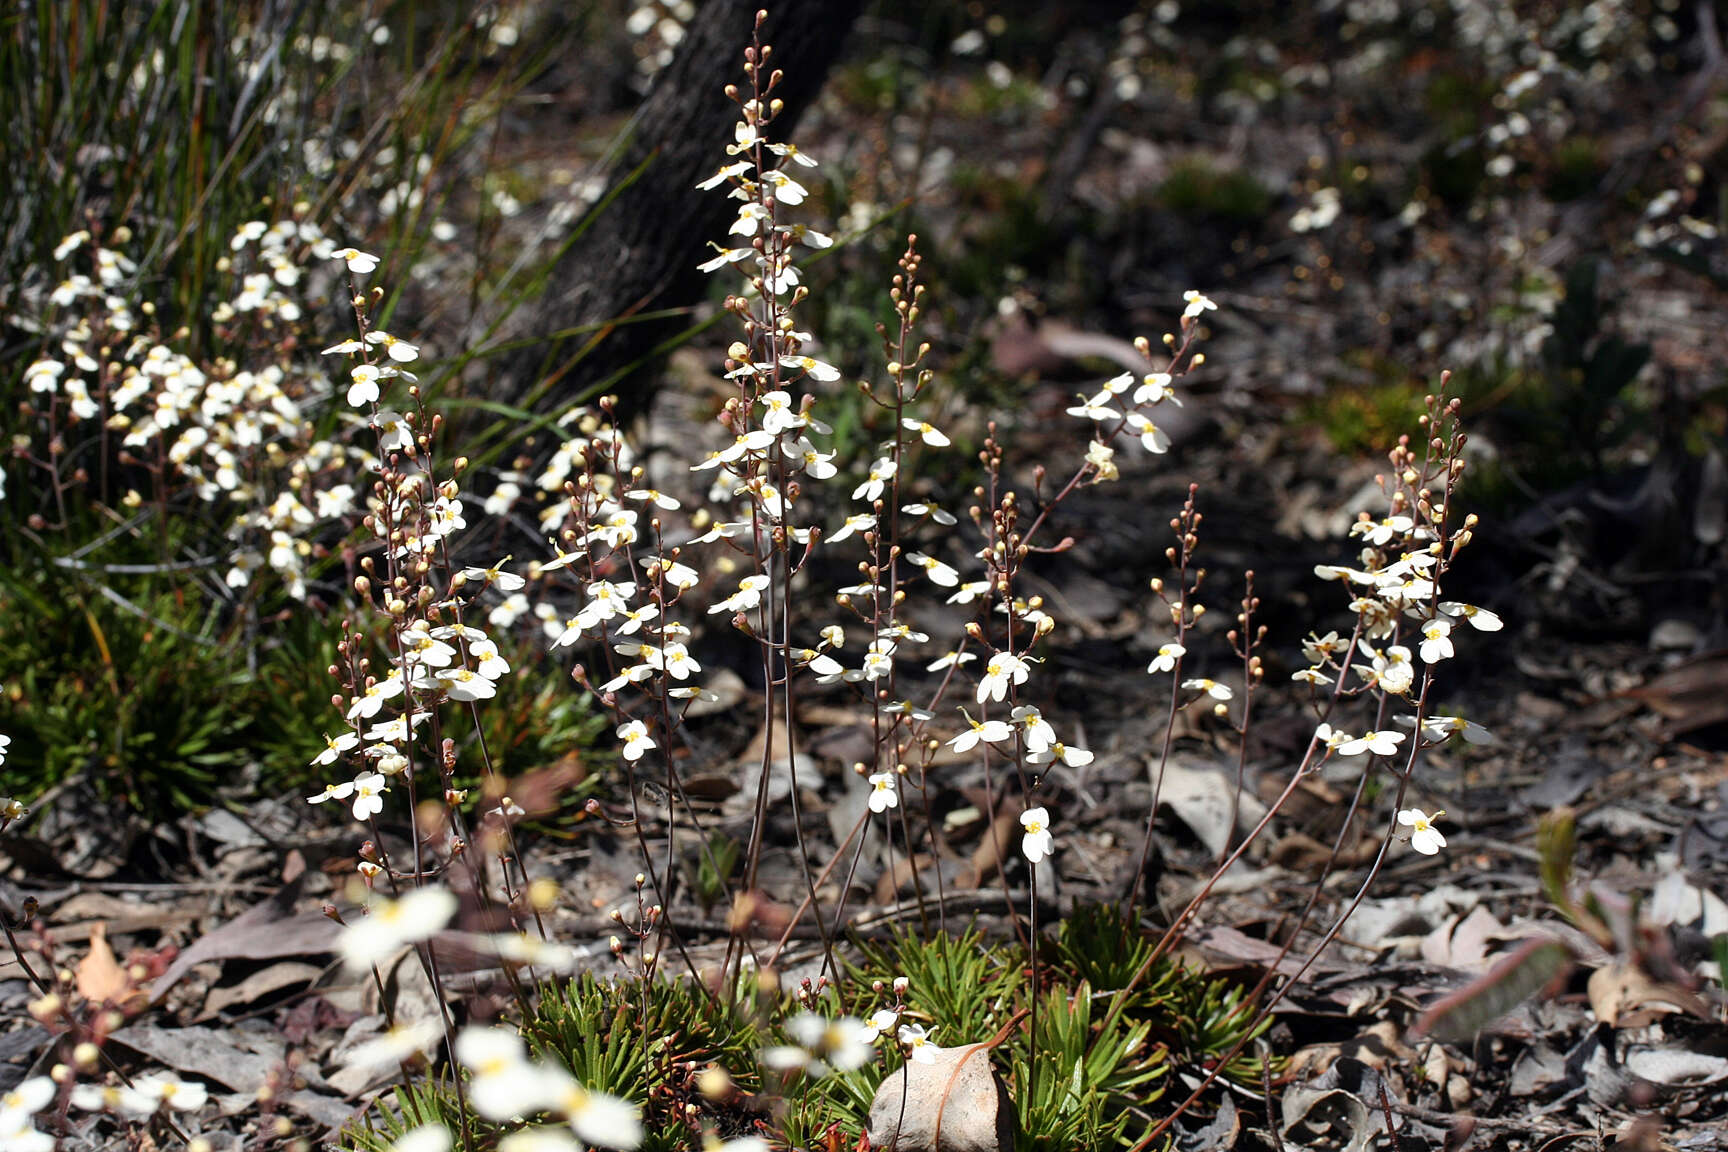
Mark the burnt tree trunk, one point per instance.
(640, 254)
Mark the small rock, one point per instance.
(955, 1104)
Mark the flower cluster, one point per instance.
(10, 809)
(1395, 586)
(507, 1084)
(234, 433)
(422, 604)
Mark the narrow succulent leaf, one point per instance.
(1535, 964)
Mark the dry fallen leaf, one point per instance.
(1623, 995)
(269, 930)
(1691, 695)
(101, 979)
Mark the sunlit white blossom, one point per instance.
(1424, 837)
(1037, 842)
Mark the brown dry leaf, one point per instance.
(997, 843)
(101, 979)
(1623, 995)
(1690, 695)
(1462, 942)
(956, 1103)
(270, 930)
(259, 984)
(1208, 802)
(209, 1052)
(1338, 1109)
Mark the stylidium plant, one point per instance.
(932, 637)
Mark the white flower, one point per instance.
(17, 1106)
(398, 350)
(725, 174)
(990, 732)
(726, 256)
(333, 748)
(499, 1061)
(786, 189)
(1211, 687)
(462, 685)
(389, 924)
(1195, 304)
(1333, 740)
(680, 576)
(540, 1139)
(939, 573)
(148, 1094)
(1035, 731)
(918, 1045)
(1073, 757)
(928, 433)
(495, 576)
(880, 1021)
(394, 1046)
(880, 473)
(1480, 618)
(77, 239)
(595, 1117)
(1441, 728)
(1154, 389)
(969, 592)
(1003, 669)
(1167, 656)
(357, 261)
(817, 369)
(332, 791)
(1319, 649)
(878, 661)
(1037, 843)
(1102, 458)
(1381, 532)
(636, 739)
(364, 388)
(1096, 408)
(1152, 438)
(882, 793)
(1391, 670)
(653, 495)
(1436, 640)
(748, 596)
(825, 667)
(1423, 835)
(821, 1045)
(369, 789)
(517, 948)
(859, 522)
(1379, 743)
(433, 1137)
(751, 216)
(781, 414)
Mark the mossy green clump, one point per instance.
(1102, 1042)
(1102, 1049)
(141, 693)
(1357, 418)
(1197, 189)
